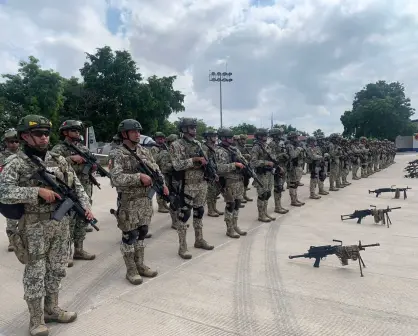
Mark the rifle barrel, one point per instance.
(370, 245)
(297, 256)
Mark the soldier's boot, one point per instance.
(363, 173)
(132, 274)
(293, 198)
(183, 252)
(89, 228)
(230, 232)
(248, 199)
(321, 188)
(199, 241)
(338, 184)
(37, 326)
(278, 204)
(261, 214)
(332, 184)
(162, 206)
(243, 201)
(345, 180)
(266, 203)
(80, 254)
(297, 200)
(220, 213)
(312, 188)
(236, 227)
(70, 256)
(143, 269)
(300, 184)
(53, 313)
(211, 209)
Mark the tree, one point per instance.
(318, 133)
(290, 128)
(380, 110)
(244, 128)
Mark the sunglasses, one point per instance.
(74, 130)
(39, 133)
(13, 141)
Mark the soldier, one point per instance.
(163, 160)
(40, 242)
(261, 162)
(12, 147)
(247, 156)
(323, 172)
(70, 133)
(231, 179)
(296, 157)
(213, 192)
(134, 207)
(345, 160)
(160, 139)
(334, 171)
(189, 163)
(355, 159)
(364, 156)
(276, 147)
(314, 159)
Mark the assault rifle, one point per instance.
(91, 165)
(247, 170)
(397, 191)
(342, 252)
(209, 169)
(69, 199)
(157, 182)
(382, 215)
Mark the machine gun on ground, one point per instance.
(343, 253)
(380, 215)
(397, 191)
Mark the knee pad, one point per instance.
(293, 185)
(143, 230)
(266, 195)
(278, 189)
(198, 212)
(230, 206)
(237, 204)
(184, 214)
(130, 237)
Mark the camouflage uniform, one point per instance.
(9, 136)
(295, 167)
(159, 138)
(193, 185)
(323, 172)
(345, 162)
(135, 208)
(364, 156)
(314, 159)
(40, 243)
(163, 160)
(77, 225)
(355, 159)
(247, 156)
(279, 154)
(263, 166)
(334, 171)
(232, 181)
(214, 191)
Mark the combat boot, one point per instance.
(293, 198)
(346, 183)
(312, 187)
(266, 203)
(80, 254)
(230, 232)
(237, 228)
(296, 198)
(300, 184)
(37, 326)
(53, 313)
(338, 184)
(132, 274)
(331, 184)
(183, 252)
(143, 269)
(199, 241)
(278, 204)
(162, 206)
(211, 209)
(261, 214)
(220, 213)
(321, 188)
(248, 199)
(243, 201)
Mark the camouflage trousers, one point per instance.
(47, 245)
(334, 173)
(213, 192)
(267, 181)
(233, 194)
(196, 195)
(294, 175)
(11, 225)
(77, 225)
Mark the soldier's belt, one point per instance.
(42, 216)
(194, 181)
(141, 192)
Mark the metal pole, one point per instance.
(220, 77)
(220, 100)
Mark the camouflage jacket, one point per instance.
(296, 155)
(313, 154)
(4, 155)
(259, 157)
(17, 184)
(226, 166)
(163, 160)
(65, 151)
(210, 150)
(244, 152)
(334, 153)
(124, 171)
(278, 153)
(155, 150)
(182, 152)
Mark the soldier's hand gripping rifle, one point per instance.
(342, 252)
(247, 170)
(209, 169)
(397, 191)
(157, 182)
(91, 164)
(69, 199)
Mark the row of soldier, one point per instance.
(43, 245)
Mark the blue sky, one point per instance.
(113, 19)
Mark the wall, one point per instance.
(406, 143)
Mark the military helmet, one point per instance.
(71, 124)
(10, 134)
(363, 138)
(276, 131)
(225, 133)
(187, 122)
(243, 136)
(129, 125)
(292, 134)
(159, 135)
(311, 139)
(31, 122)
(261, 132)
(172, 137)
(236, 137)
(210, 131)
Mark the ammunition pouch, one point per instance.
(263, 170)
(12, 211)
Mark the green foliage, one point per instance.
(318, 133)
(244, 128)
(290, 128)
(380, 110)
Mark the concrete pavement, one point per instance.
(245, 286)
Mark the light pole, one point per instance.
(220, 77)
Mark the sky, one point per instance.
(299, 61)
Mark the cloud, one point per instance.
(301, 61)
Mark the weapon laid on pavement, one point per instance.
(397, 191)
(343, 253)
(358, 214)
(380, 215)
